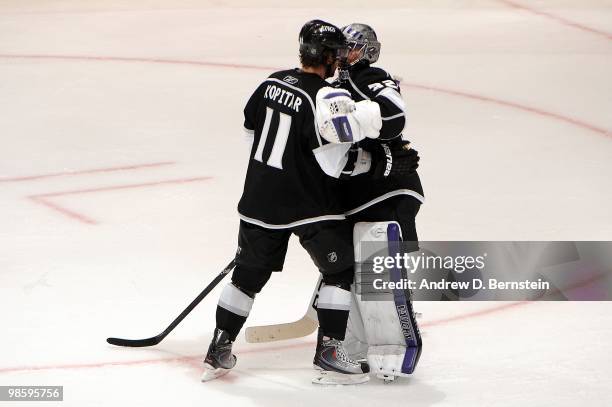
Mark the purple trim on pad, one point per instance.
(334, 94)
(401, 302)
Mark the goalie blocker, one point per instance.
(384, 330)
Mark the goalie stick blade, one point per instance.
(278, 332)
(271, 333)
(134, 343)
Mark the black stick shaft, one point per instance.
(157, 339)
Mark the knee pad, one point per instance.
(343, 279)
(383, 327)
(250, 280)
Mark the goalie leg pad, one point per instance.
(388, 322)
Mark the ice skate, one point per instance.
(334, 366)
(219, 359)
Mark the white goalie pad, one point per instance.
(342, 120)
(382, 327)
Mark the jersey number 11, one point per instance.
(280, 140)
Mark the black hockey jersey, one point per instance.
(371, 83)
(285, 185)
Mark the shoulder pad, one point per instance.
(370, 74)
(371, 81)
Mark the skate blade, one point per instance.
(326, 377)
(211, 373)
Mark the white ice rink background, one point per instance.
(122, 159)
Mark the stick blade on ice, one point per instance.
(297, 329)
(133, 343)
(270, 333)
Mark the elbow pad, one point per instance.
(367, 114)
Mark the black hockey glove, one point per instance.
(394, 160)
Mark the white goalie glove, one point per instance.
(342, 120)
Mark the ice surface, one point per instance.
(121, 164)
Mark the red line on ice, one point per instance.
(99, 58)
(514, 105)
(473, 96)
(474, 314)
(190, 359)
(64, 211)
(118, 187)
(42, 198)
(90, 171)
(142, 361)
(558, 19)
(580, 284)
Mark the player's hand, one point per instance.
(407, 158)
(394, 160)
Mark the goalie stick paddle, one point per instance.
(297, 329)
(137, 343)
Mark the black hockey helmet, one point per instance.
(319, 40)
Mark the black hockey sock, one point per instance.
(333, 307)
(333, 322)
(233, 309)
(229, 322)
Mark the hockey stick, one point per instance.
(137, 343)
(291, 330)
(302, 327)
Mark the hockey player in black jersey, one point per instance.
(291, 187)
(366, 82)
(393, 193)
